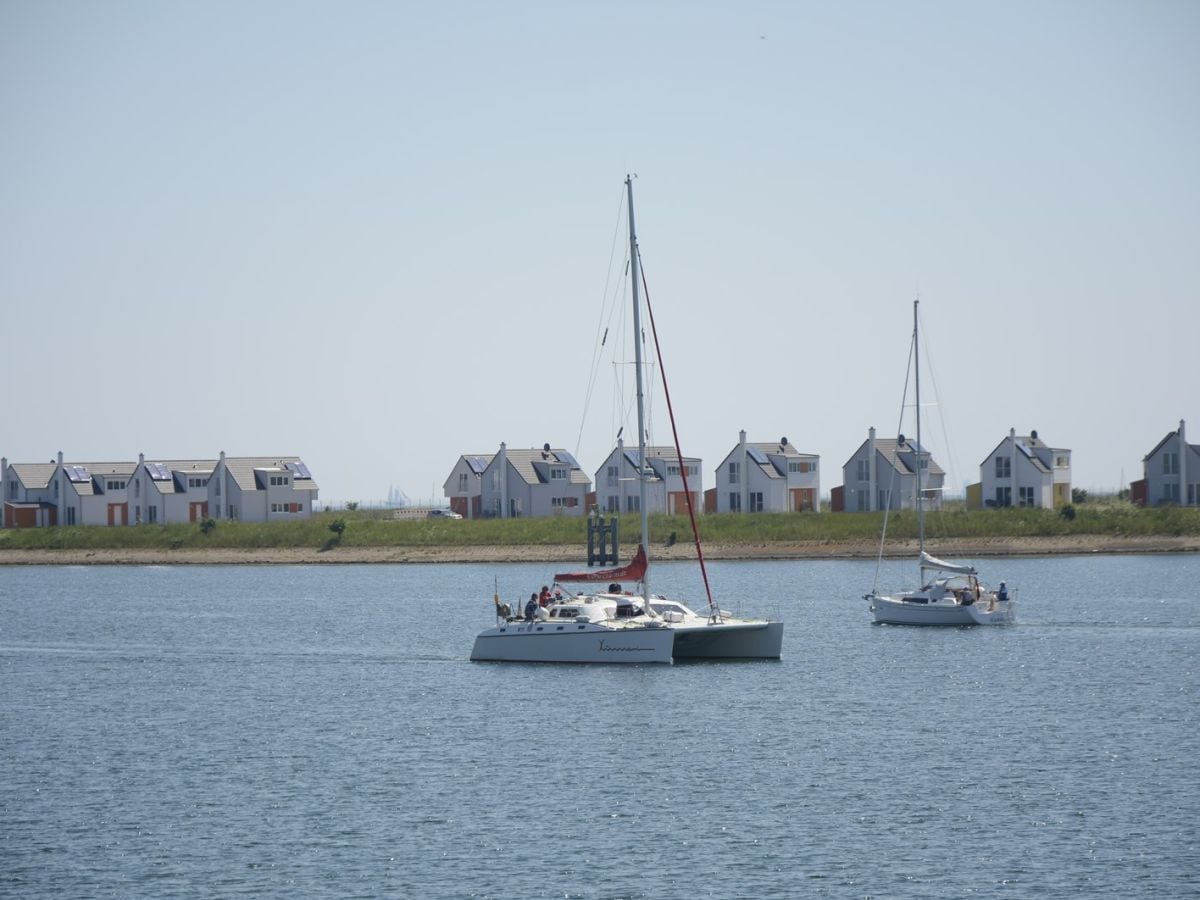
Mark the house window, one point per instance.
(218, 491)
(884, 501)
(558, 474)
(462, 482)
(70, 515)
(1003, 467)
(633, 504)
(613, 475)
(1004, 496)
(733, 473)
(495, 479)
(1062, 461)
(735, 501)
(1170, 492)
(864, 470)
(56, 487)
(233, 511)
(152, 514)
(756, 501)
(1170, 463)
(1025, 496)
(614, 504)
(1193, 493)
(12, 490)
(114, 485)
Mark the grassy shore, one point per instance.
(372, 536)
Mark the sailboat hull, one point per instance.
(899, 611)
(573, 643)
(723, 640)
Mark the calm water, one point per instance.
(283, 732)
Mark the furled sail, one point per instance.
(634, 571)
(932, 562)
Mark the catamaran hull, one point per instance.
(521, 643)
(894, 611)
(741, 640)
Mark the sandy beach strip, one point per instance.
(975, 547)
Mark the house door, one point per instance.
(118, 514)
(197, 511)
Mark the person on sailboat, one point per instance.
(544, 597)
(531, 607)
(1002, 594)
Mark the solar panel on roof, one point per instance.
(755, 454)
(77, 474)
(564, 457)
(158, 472)
(299, 469)
(477, 464)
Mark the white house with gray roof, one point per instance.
(1172, 471)
(617, 488)
(534, 483)
(882, 474)
(1024, 471)
(464, 486)
(256, 489)
(768, 477)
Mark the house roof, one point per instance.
(244, 469)
(1167, 437)
(527, 462)
(891, 448)
(33, 476)
(767, 456)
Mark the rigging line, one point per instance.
(600, 326)
(713, 610)
(892, 481)
(939, 522)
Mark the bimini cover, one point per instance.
(932, 562)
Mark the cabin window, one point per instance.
(1003, 467)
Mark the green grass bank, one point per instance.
(377, 529)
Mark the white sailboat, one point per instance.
(612, 626)
(950, 593)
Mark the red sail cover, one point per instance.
(632, 572)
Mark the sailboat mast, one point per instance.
(641, 399)
(920, 446)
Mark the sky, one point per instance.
(381, 235)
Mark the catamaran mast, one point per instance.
(641, 402)
(920, 448)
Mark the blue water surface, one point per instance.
(201, 731)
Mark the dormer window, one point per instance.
(557, 473)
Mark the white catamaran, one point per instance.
(950, 594)
(613, 626)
